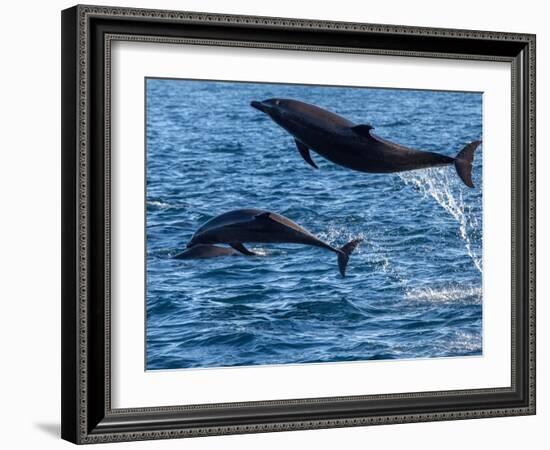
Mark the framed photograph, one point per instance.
(279, 224)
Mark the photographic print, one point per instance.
(255, 209)
(293, 224)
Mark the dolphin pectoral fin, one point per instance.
(304, 151)
(241, 248)
(363, 130)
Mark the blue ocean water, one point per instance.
(413, 288)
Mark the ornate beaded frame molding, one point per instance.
(84, 421)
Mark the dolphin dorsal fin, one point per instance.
(363, 130)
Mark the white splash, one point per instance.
(445, 295)
(261, 251)
(379, 255)
(436, 184)
(159, 204)
(339, 236)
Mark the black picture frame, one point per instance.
(87, 415)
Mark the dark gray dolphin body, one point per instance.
(355, 146)
(201, 251)
(261, 226)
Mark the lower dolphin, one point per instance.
(201, 251)
(253, 225)
(355, 146)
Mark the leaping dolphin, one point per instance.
(253, 225)
(355, 146)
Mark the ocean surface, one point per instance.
(414, 286)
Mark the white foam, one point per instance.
(445, 295)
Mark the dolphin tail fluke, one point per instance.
(343, 254)
(463, 163)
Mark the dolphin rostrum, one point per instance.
(355, 146)
(261, 226)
